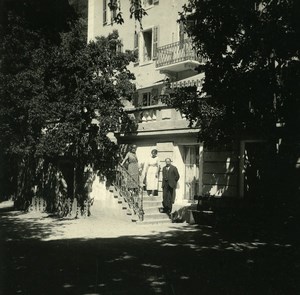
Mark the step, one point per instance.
(147, 204)
(148, 198)
(151, 207)
(154, 216)
(135, 218)
(149, 210)
(154, 221)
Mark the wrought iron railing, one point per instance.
(130, 190)
(176, 52)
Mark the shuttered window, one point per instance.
(136, 46)
(181, 32)
(146, 49)
(155, 42)
(135, 99)
(104, 12)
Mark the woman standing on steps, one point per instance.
(133, 168)
(152, 171)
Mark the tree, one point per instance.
(250, 88)
(27, 31)
(252, 51)
(60, 101)
(48, 16)
(85, 84)
(21, 98)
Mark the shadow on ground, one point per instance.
(192, 260)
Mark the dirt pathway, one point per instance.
(101, 255)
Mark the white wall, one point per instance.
(164, 15)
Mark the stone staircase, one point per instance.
(151, 209)
(151, 206)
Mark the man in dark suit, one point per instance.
(170, 177)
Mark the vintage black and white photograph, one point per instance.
(149, 147)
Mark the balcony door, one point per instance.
(192, 171)
(149, 44)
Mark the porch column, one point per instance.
(201, 160)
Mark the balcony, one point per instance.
(158, 119)
(178, 56)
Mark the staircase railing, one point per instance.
(133, 196)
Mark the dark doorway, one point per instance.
(259, 157)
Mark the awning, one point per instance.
(195, 80)
(149, 84)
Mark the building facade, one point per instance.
(165, 53)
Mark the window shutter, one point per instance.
(114, 14)
(190, 23)
(181, 35)
(136, 46)
(136, 99)
(113, 10)
(104, 12)
(154, 96)
(181, 32)
(155, 42)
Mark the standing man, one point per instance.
(170, 177)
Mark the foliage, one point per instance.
(47, 16)
(22, 87)
(252, 51)
(59, 101)
(85, 83)
(136, 10)
(22, 93)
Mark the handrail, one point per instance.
(176, 52)
(133, 196)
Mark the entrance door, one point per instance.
(191, 171)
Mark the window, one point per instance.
(146, 99)
(183, 35)
(119, 46)
(149, 44)
(147, 50)
(150, 98)
(110, 11)
(104, 12)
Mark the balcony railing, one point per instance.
(176, 52)
(158, 117)
(154, 113)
